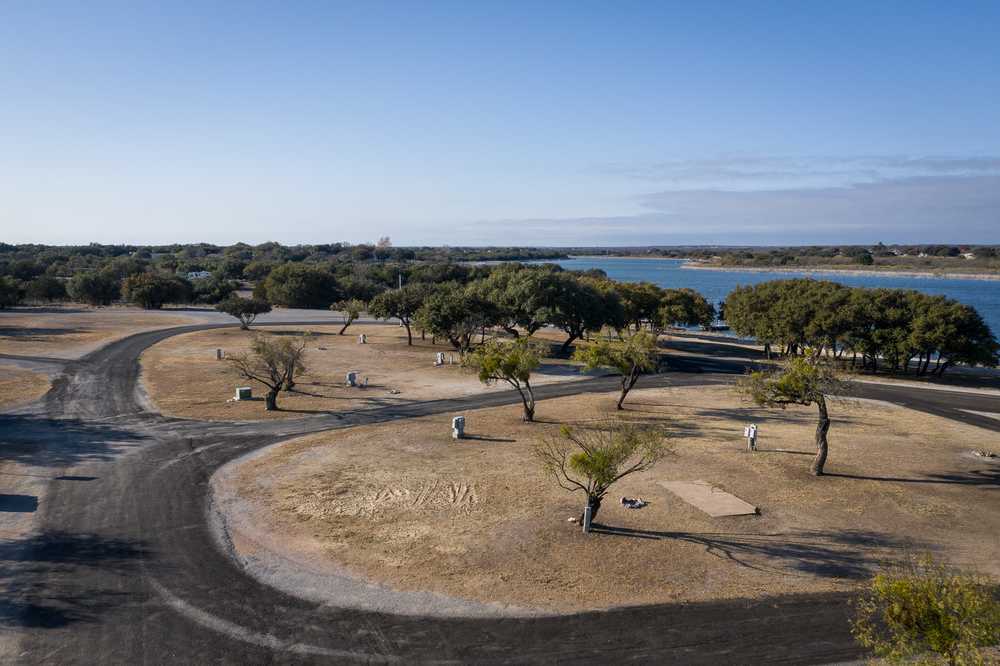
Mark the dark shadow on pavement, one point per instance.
(41, 582)
(49, 442)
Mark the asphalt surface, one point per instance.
(123, 567)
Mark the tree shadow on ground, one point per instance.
(979, 477)
(850, 554)
(36, 334)
(47, 442)
(712, 349)
(481, 438)
(40, 577)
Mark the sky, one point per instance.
(514, 123)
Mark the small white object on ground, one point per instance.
(458, 427)
(439, 359)
(571, 519)
(362, 339)
(706, 497)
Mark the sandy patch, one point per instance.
(405, 506)
(72, 331)
(183, 377)
(19, 386)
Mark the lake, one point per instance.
(984, 295)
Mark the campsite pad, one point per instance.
(713, 501)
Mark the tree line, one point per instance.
(900, 330)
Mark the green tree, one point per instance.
(517, 294)
(684, 307)
(212, 290)
(510, 361)
(641, 302)
(151, 290)
(592, 459)
(630, 357)
(95, 287)
(577, 305)
(297, 285)
(909, 613)
(10, 292)
(801, 381)
(455, 313)
(244, 309)
(401, 304)
(46, 288)
(350, 309)
(270, 362)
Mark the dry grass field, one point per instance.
(19, 386)
(72, 331)
(183, 377)
(405, 505)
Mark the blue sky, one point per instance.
(511, 123)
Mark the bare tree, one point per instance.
(270, 362)
(591, 460)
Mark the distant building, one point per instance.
(199, 275)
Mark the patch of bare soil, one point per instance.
(183, 377)
(19, 386)
(404, 505)
(72, 331)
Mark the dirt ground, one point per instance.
(405, 505)
(72, 331)
(183, 377)
(19, 386)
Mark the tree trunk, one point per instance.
(595, 505)
(341, 332)
(822, 428)
(628, 381)
(528, 398)
(271, 400)
(409, 335)
(573, 337)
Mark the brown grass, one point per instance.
(183, 377)
(405, 505)
(71, 332)
(19, 387)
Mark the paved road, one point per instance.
(124, 568)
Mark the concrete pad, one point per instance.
(706, 497)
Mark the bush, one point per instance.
(924, 608)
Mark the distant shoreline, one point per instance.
(843, 271)
(826, 270)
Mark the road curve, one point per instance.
(124, 567)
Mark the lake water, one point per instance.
(984, 295)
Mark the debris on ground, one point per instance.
(633, 503)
